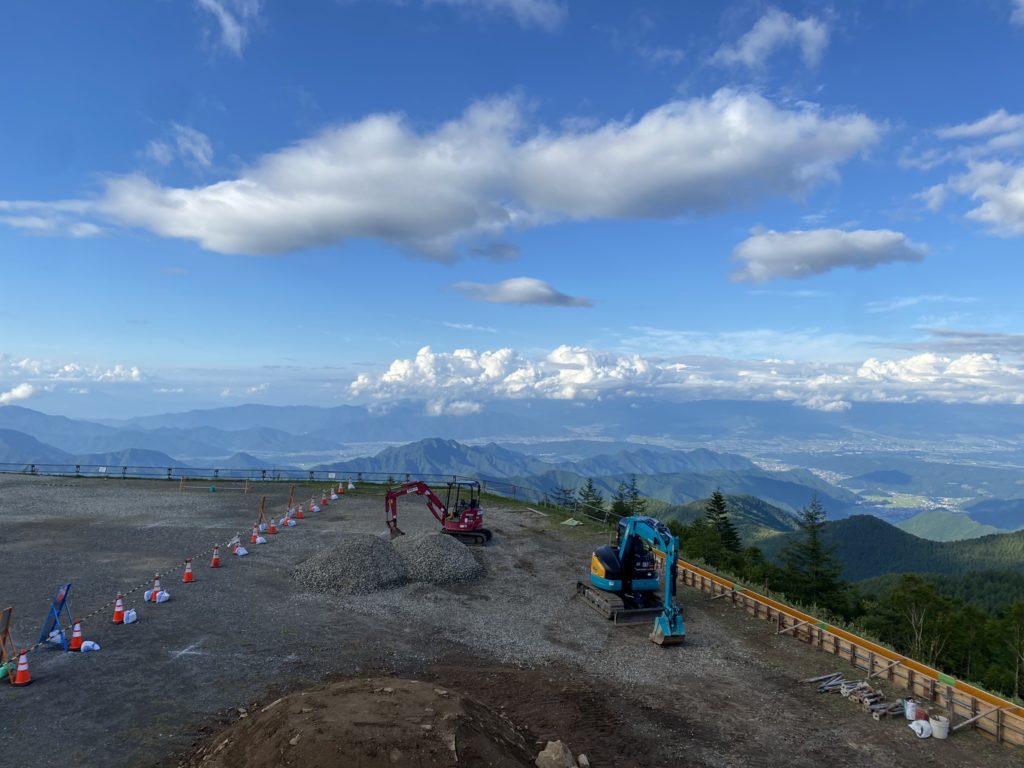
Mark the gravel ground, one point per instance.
(516, 638)
(359, 564)
(438, 559)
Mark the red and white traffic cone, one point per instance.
(323, 500)
(341, 488)
(298, 513)
(186, 577)
(271, 527)
(76, 637)
(118, 610)
(22, 677)
(215, 561)
(255, 535)
(156, 589)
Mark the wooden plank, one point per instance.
(782, 623)
(887, 668)
(976, 718)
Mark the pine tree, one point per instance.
(637, 503)
(717, 514)
(620, 500)
(564, 497)
(811, 571)
(590, 496)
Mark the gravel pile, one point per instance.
(437, 558)
(359, 565)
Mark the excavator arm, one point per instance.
(434, 504)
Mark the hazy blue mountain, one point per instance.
(19, 448)
(644, 461)
(870, 547)
(945, 525)
(435, 456)
(1006, 514)
(130, 457)
(59, 431)
(243, 460)
(753, 517)
(620, 419)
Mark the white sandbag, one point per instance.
(291, 523)
(56, 637)
(351, 486)
(163, 596)
(922, 728)
(260, 540)
(89, 645)
(316, 508)
(262, 527)
(241, 551)
(334, 497)
(130, 616)
(147, 596)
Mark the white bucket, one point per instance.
(940, 726)
(910, 709)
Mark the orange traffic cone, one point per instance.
(118, 610)
(271, 527)
(255, 535)
(76, 637)
(156, 588)
(323, 500)
(215, 562)
(187, 576)
(22, 677)
(341, 488)
(298, 513)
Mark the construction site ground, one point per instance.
(515, 647)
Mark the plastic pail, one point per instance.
(940, 726)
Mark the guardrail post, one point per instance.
(124, 472)
(170, 473)
(32, 469)
(78, 470)
(311, 474)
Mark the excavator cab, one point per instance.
(462, 495)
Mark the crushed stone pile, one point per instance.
(437, 558)
(358, 565)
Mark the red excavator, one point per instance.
(461, 516)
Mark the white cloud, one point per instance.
(800, 253)
(903, 302)
(993, 176)
(577, 373)
(469, 327)
(546, 14)
(520, 290)
(51, 224)
(775, 30)
(1017, 16)
(189, 144)
(169, 390)
(47, 370)
(234, 17)
(998, 122)
(456, 408)
(661, 54)
(21, 391)
(471, 179)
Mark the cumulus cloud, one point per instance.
(234, 18)
(579, 373)
(1017, 14)
(801, 253)
(48, 370)
(51, 224)
(774, 30)
(992, 176)
(473, 178)
(21, 391)
(546, 14)
(520, 290)
(469, 327)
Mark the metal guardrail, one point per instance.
(129, 472)
(519, 492)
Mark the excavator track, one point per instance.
(612, 607)
(475, 538)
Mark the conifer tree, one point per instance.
(717, 514)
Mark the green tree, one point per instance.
(627, 499)
(716, 512)
(1010, 627)
(811, 570)
(590, 495)
(564, 497)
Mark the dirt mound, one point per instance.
(367, 723)
(358, 565)
(437, 558)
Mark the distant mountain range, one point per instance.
(869, 547)
(945, 525)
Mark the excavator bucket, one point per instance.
(668, 631)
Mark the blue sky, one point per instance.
(223, 201)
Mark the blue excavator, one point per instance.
(624, 584)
